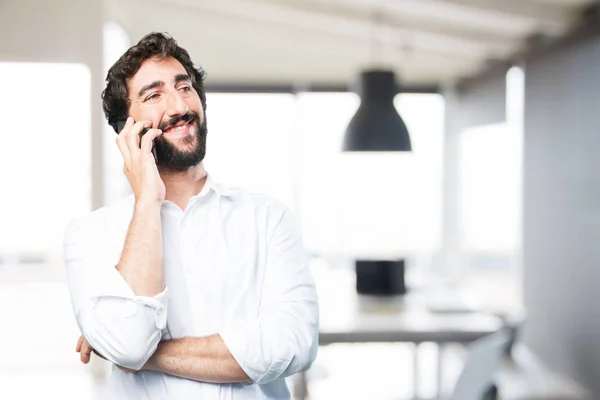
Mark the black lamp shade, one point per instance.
(377, 126)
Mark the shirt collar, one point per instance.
(218, 188)
(209, 185)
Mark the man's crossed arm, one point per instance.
(126, 328)
(203, 359)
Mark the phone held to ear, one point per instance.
(121, 125)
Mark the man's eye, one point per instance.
(153, 96)
(185, 88)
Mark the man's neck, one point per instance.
(181, 186)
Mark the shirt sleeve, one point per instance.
(283, 339)
(121, 326)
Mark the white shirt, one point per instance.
(234, 264)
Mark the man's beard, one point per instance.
(170, 156)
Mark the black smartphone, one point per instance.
(121, 125)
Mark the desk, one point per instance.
(428, 313)
(408, 326)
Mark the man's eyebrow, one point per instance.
(182, 78)
(149, 86)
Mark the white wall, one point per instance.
(562, 209)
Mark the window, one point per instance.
(490, 178)
(290, 147)
(369, 204)
(490, 205)
(44, 157)
(249, 142)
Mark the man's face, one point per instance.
(161, 92)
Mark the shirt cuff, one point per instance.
(158, 304)
(109, 282)
(246, 343)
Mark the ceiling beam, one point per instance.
(360, 29)
(514, 18)
(240, 50)
(552, 18)
(587, 27)
(585, 24)
(364, 10)
(491, 17)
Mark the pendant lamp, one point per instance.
(376, 126)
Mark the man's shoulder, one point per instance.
(260, 201)
(120, 210)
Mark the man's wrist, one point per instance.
(144, 205)
(151, 363)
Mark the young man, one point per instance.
(193, 290)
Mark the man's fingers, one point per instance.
(133, 137)
(124, 149)
(86, 350)
(128, 123)
(79, 343)
(147, 140)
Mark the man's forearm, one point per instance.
(141, 259)
(204, 359)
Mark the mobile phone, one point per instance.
(121, 125)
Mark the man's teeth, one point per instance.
(179, 128)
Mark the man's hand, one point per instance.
(85, 350)
(139, 165)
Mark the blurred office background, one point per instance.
(497, 207)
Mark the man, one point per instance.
(193, 290)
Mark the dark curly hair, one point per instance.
(115, 98)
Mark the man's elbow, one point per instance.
(303, 341)
(308, 351)
(130, 349)
(134, 359)
(128, 342)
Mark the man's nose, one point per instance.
(176, 104)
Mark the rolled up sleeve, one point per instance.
(121, 326)
(283, 339)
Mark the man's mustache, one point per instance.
(187, 117)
